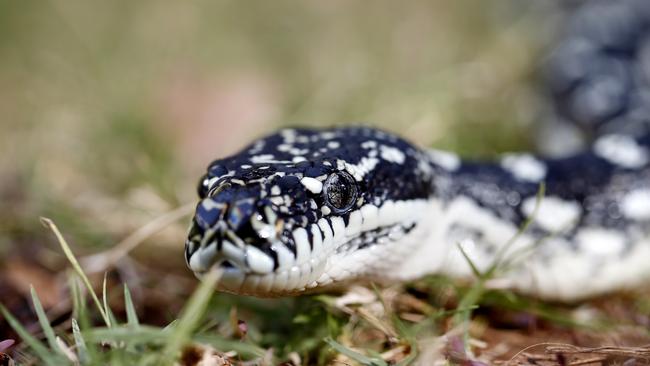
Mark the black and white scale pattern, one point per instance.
(306, 209)
(268, 215)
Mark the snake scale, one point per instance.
(304, 209)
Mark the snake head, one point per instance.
(302, 209)
(254, 230)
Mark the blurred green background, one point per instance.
(109, 111)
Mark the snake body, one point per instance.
(303, 209)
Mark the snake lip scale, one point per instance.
(305, 209)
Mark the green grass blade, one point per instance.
(477, 273)
(473, 297)
(39, 348)
(107, 309)
(42, 319)
(364, 360)
(80, 344)
(469, 302)
(80, 311)
(190, 316)
(145, 334)
(501, 253)
(78, 304)
(75, 265)
(131, 315)
(171, 326)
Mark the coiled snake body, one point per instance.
(305, 209)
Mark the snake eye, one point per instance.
(340, 191)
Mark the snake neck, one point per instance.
(595, 208)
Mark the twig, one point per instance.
(523, 351)
(101, 261)
(588, 361)
(643, 352)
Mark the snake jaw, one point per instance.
(249, 270)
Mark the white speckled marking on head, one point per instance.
(392, 154)
(312, 184)
(267, 159)
(358, 171)
(370, 144)
(211, 205)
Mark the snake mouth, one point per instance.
(324, 253)
(231, 255)
(255, 260)
(235, 244)
(243, 272)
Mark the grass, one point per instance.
(114, 342)
(392, 326)
(117, 343)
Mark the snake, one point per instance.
(304, 210)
